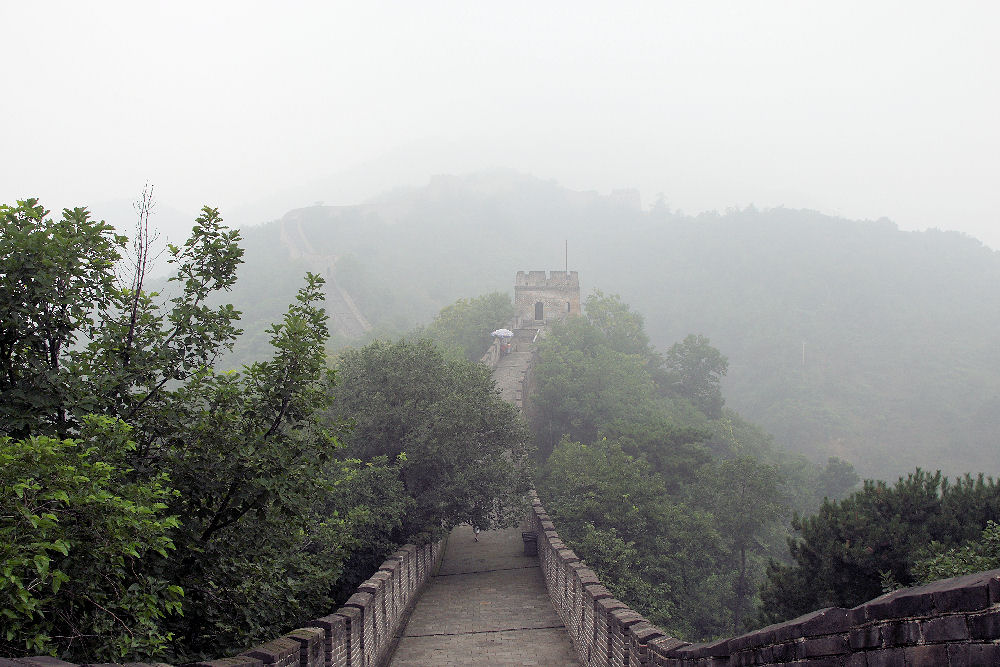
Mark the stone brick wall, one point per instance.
(359, 634)
(557, 291)
(948, 623)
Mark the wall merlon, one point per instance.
(391, 563)
(568, 556)
(360, 600)
(597, 591)
(587, 576)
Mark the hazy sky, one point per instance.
(863, 109)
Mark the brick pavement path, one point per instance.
(510, 370)
(487, 605)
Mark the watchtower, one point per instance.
(544, 297)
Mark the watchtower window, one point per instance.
(539, 311)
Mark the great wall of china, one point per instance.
(452, 603)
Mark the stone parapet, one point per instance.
(359, 634)
(948, 623)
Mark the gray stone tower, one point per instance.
(541, 297)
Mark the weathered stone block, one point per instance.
(900, 633)
(664, 646)
(856, 660)
(822, 646)
(886, 657)
(783, 652)
(945, 629)
(866, 636)
(567, 556)
(821, 622)
(312, 646)
(597, 591)
(587, 576)
(974, 654)
(929, 655)
(985, 626)
(359, 600)
(905, 603)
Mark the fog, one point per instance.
(858, 109)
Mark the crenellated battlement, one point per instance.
(547, 279)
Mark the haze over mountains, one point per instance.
(846, 338)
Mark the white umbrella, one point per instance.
(503, 333)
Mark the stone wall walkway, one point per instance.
(487, 605)
(511, 368)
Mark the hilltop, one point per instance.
(845, 337)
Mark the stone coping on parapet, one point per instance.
(359, 634)
(950, 622)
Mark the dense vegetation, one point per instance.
(156, 509)
(675, 501)
(161, 509)
(465, 327)
(683, 508)
(883, 537)
(844, 338)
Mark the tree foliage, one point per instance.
(466, 325)
(656, 425)
(695, 370)
(232, 492)
(656, 553)
(57, 275)
(77, 538)
(937, 562)
(465, 449)
(846, 551)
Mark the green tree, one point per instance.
(78, 340)
(78, 539)
(658, 555)
(466, 457)
(846, 551)
(466, 325)
(252, 466)
(266, 528)
(582, 383)
(746, 501)
(622, 327)
(695, 370)
(938, 562)
(56, 276)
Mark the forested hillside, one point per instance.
(846, 338)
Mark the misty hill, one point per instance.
(844, 337)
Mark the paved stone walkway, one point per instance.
(511, 368)
(487, 605)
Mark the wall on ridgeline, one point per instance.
(359, 634)
(947, 623)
